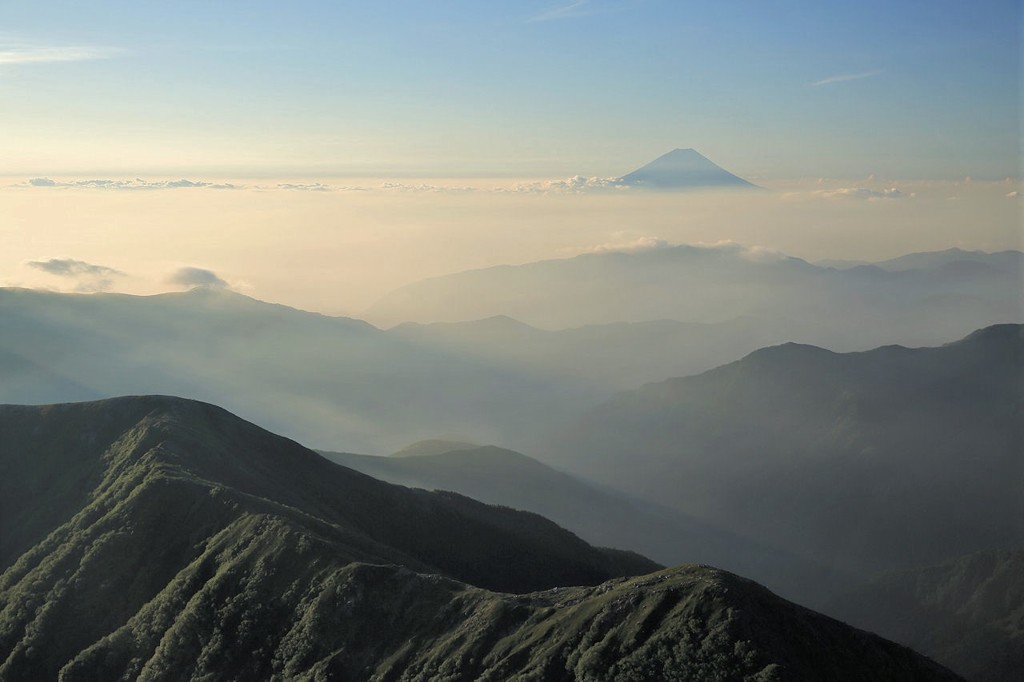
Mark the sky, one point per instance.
(321, 154)
(908, 90)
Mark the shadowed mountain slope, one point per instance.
(967, 613)
(179, 542)
(598, 515)
(616, 356)
(868, 461)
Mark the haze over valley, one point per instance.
(592, 340)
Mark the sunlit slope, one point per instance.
(864, 461)
(168, 539)
(967, 613)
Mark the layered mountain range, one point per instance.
(141, 537)
(343, 384)
(159, 538)
(884, 459)
(912, 300)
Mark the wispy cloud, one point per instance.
(89, 276)
(842, 78)
(34, 54)
(574, 185)
(862, 193)
(577, 8)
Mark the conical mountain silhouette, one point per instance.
(683, 169)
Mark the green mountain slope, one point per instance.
(123, 495)
(967, 613)
(180, 542)
(864, 461)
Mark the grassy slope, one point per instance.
(207, 548)
(120, 496)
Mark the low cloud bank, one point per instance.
(862, 193)
(134, 184)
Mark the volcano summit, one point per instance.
(682, 169)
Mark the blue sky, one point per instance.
(910, 90)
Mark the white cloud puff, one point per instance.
(630, 246)
(197, 277)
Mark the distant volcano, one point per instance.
(683, 169)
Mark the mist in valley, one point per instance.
(373, 347)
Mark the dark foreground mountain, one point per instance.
(683, 169)
(113, 507)
(890, 458)
(967, 613)
(599, 515)
(156, 538)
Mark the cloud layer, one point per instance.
(134, 184)
(862, 193)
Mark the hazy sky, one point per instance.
(269, 146)
(337, 247)
(912, 89)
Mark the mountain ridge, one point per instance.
(209, 548)
(874, 425)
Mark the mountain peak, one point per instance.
(682, 169)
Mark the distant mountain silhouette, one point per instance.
(682, 169)
(938, 300)
(1008, 261)
(156, 538)
(867, 461)
(335, 381)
